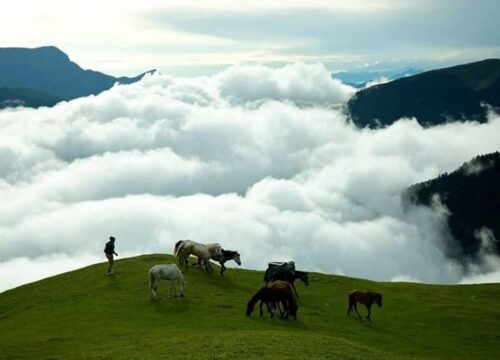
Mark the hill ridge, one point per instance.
(433, 97)
(85, 314)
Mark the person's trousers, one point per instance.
(111, 261)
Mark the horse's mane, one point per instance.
(258, 296)
(228, 252)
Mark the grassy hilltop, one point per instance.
(85, 314)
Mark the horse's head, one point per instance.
(237, 258)
(249, 308)
(293, 310)
(305, 278)
(378, 300)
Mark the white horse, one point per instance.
(184, 248)
(167, 272)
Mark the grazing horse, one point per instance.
(290, 306)
(226, 255)
(365, 298)
(273, 296)
(167, 272)
(288, 276)
(184, 248)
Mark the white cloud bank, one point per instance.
(257, 159)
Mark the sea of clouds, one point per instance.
(261, 160)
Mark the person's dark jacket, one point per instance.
(109, 249)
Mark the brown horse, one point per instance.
(365, 298)
(289, 303)
(272, 296)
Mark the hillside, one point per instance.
(432, 97)
(50, 70)
(472, 196)
(85, 314)
(11, 97)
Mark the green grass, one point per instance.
(85, 314)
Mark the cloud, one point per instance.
(303, 84)
(379, 81)
(261, 160)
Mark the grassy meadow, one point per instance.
(85, 314)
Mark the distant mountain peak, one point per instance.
(49, 70)
(432, 97)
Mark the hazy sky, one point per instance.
(192, 37)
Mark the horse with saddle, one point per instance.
(285, 271)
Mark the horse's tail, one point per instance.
(177, 244)
(152, 291)
(180, 248)
(181, 281)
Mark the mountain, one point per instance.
(15, 96)
(472, 196)
(359, 79)
(85, 314)
(49, 70)
(432, 97)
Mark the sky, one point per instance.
(192, 37)
(240, 139)
(259, 159)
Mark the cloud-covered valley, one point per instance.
(262, 160)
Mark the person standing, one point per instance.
(109, 250)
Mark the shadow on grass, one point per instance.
(113, 281)
(173, 304)
(373, 325)
(277, 322)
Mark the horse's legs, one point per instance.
(170, 288)
(261, 313)
(284, 311)
(182, 259)
(208, 267)
(152, 289)
(222, 268)
(369, 313)
(181, 288)
(356, 308)
(270, 309)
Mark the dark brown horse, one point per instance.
(273, 296)
(365, 298)
(288, 276)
